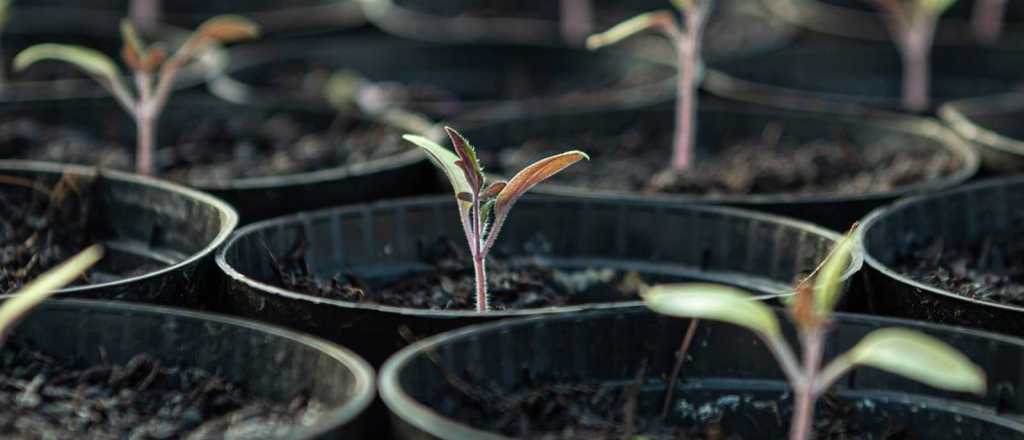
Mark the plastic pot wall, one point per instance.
(958, 215)
(608, 348)
(720, 123)
(761, 253)
(269, 362)
(149, 223)
(992, 125)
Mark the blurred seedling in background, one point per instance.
(483, 208)
(576, 18)
(987, 20)
(145, 14)
(5, 15)
(15, 308)
(686, 37)
(912, 26)
(153, 71)
(900, 351)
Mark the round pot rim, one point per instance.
(229, 218)
(958, 115)
(411, 411)
(362, 373)
(944, 138)
(234, 275)
(880, 214)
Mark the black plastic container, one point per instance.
(860, 19)
(756, 251)
(270, 362)
(957, 215)
(608, 347)
(735, 27)
(859, 77)
(488, 80)
(145, 223)
(992, 124)
(255, 198)
(721, 122)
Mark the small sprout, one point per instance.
(687, 40)
(153, 70)
(912, 25)
(36, 291)
(908, 353)
(484, 207)
(987, 20)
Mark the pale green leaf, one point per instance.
(627, 29)
(935, 7)
(919, 357)
(5, 12)
(713, 302)
(91, 61)
(828, 285)
(445, 160)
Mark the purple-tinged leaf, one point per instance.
(469, 162)
(464, 196)
(532, 175)
(494, 189)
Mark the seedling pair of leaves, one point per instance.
(900, 351)
(153, 71)
(484, 206)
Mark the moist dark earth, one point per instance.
(42, 397)
(41, 226)
(989, 269)
(213, 151)
(450, 284)
(635, 159)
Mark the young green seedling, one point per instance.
(687, 40)
(35, 292)
(912, 25)
(576, 18)
(483, 207)
(987, 20)
(153, 71)
(900, 351)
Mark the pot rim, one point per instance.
(959, 115)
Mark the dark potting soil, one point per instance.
(989, 269)
(41, 226)
(636, 160)
(212, 151)
(42, 397)
(449, 284)
(574, 410)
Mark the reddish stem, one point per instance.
(804, 392)
(146, 135)
(576, 20)
(688, 56)
(987, 20)
(479, 257)
(916, 46)
(145, 14)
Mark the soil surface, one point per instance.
(450, 284)
(212, 151)
(41, 226)
(989, 269)
(636, 160)
(42, 397)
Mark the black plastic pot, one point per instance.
(958, 215)
(471, 79)
(859, 77)
(255, 198)
(736, 26)
(759, 252)
(992, 125)
(728, 372)
(170, 230)
(859, 19)
(270, 362)
(722, 122)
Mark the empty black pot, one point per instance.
(729, 375)
(168, 231)
(269, 362)
(992, 125)
(962, 215)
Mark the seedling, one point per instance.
(153, 71)
(483, 207)
(987, 20)
(687, 41)
(35, 292)
(900, 351)
(912, 26)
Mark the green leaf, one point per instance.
(628, 28)
(828, 285)
(91, 61)
(920, 357)
(935, 7)
(684, 5)
(445, 160)
(532, 175)
(5, 12)
(45, 286)
(342, 87)
(713, 302)
(131, 38)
